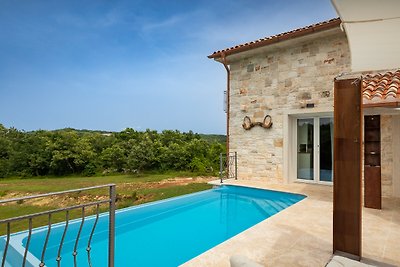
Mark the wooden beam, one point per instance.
(388, 104)
(347, 167)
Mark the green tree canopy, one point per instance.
(70, 151)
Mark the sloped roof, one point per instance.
(317, 27)
(382, 89)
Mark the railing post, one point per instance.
(111, 201)
(220, 167)
(227, 165)
(111, 227)
(235, 165)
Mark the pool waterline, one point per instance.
(167, 232)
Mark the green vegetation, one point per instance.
(214, 138)
(132, 189)
(72, 152)
(144, 165)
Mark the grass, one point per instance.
(131, 190)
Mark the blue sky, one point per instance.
(109, 65)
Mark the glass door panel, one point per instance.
(326, 149)
(305, 151)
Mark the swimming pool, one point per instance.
(162, 233)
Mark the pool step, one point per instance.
(276, 204)
(271, 207)
(267, 207)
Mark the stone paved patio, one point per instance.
(301, 235)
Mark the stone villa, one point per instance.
(290, 77)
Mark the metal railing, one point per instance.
(111, 225)
(228, 166)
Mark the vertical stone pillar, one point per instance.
(347, 167)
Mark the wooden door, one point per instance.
(347, 167)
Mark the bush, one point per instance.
(90, 170)
(68, 151)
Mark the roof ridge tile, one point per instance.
(378, 87)
(319, 26)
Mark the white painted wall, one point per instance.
(370, 26)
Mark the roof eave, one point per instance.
(391, 104)
(277, 38)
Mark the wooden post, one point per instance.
(347, 205)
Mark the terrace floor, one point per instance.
(301, 235)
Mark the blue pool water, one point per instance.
(163, 233)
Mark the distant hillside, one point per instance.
(86, 152)
(213, 137)
(83, 131)
(207, 137)
(220, 138)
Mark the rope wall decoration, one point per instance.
(247, 124)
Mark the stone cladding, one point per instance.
(274, 82)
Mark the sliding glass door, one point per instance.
(326, 149)
(305, 149)
(314, 149)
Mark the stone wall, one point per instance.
(396, 155)
(387, 155)
(273, 82)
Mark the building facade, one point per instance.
(290, 78)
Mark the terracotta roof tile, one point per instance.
(381, 87)
(320, 26)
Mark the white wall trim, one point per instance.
(286, 148)
(289, 119)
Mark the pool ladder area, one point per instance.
(228, 166)
(82, 207)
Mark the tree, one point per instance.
(143, 154)
(4, 152)
(70, 154)
(113, 158)
(70, 151)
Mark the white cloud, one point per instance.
(162, 24)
